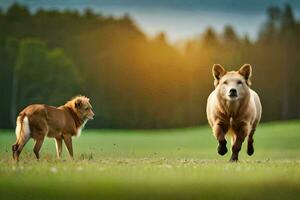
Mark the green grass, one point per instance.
(164, 164)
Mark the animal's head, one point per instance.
(232, 85)
(82, 107)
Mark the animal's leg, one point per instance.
(58, 142)
(250, 148)
(38, 145)
(68, 142)
(220, 130)
(14, 151)
(240, 135)
(23, 135)
(18, 147)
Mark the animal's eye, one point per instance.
(225, 82)
(86, 108)
(239, 82)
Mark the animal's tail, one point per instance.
(22, 133)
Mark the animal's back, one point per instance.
(211, 101)
(258, 106)
(44, 119)
(34, 109)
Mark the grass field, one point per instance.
(164, 164)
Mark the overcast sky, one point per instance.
(179, 19)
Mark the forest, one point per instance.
(135, 81)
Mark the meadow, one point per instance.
(155, 164)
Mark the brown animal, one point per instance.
(233, 107)
(37, 121)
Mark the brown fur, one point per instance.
(39, 120)
(233, 107)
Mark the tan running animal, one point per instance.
(233, 107)
(38, 120)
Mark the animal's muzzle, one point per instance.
(233, 93)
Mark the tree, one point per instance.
(8, 52)
(270, 29)
(288, 19)
(139, 82)
(42, 76)
(209, 37)
(17, 13)
(88, 13)
(160, 38)
(63, 78)
(229, 35)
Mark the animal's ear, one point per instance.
(78, 103)
(246, 72)
(218, 71)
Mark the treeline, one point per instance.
(135, 81)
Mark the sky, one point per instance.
(179, 19)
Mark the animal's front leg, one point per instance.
(38, 145)
(250, 148)
(241, 132)
(220, 129)
(58, 142)
(68, 142)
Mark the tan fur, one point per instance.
(237, 111)
(39, 120)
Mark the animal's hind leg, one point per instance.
(18, 147)
(14, 150)
(250, 148)
(38, 145)
(220, 130)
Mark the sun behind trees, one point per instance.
(136, 81)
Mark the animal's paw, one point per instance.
(250, 150)
(222, 149)
(233, 160)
